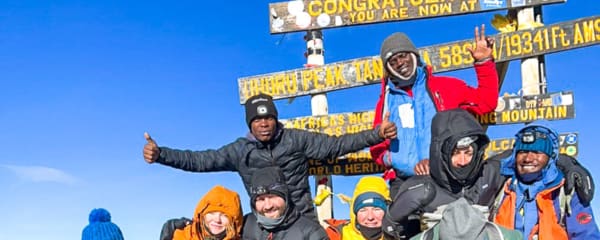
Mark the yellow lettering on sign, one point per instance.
(425, 56)
(388, 4)
(373, 4)
(597, 28)
(529, 115)
(488, 118)
(415, 3)
(306, 75)
(588, 31)
(357, 69)
(339, 77)
(467, 6)
(377, 68)
(314, 8)
(435, 9)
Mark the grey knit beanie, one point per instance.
(395, 43)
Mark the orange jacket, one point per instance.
(548, 226)
(218, 199)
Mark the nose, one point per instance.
(268, 204)
(219, 215)
(462, 159)
(530, 156)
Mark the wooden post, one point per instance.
(533, 70)
(314, 57)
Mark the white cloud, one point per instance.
(41, 174)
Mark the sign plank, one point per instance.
(522, 109)
(510, 110)
(442, 57)
(360, 163)
(293, 16)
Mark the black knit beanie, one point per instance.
(268, 180)
(258, 106)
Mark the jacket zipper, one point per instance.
(440, 100)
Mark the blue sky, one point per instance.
(83, 80)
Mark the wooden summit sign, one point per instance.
(510, 110)
(360, 163)
(306, 15)
(451, 56)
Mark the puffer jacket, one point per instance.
(290, 150)
(446, 93)
(424, 194)
(291, 225)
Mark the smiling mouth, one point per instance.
(528, 167)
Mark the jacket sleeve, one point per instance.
(223, 159)
(580, 223)
(378, 151)
(318, 233)
(172, 225)
(322, 146)
(484, 98)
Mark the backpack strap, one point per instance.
(564, 200)
(497, 202)
(493, 231)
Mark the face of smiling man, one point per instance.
(270, 205)
(531, 161)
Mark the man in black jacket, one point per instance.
(273, 215)
(269, 144)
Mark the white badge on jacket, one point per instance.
(407, 115)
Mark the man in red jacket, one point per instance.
(412, 95)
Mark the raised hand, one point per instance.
(151, 151)
(483, 45)
(387, 129)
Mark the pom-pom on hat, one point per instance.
(100, 227)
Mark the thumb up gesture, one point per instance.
(387, 129)
(151, 151)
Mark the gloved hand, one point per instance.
(576, 176)
(391, 229)
(171, 225)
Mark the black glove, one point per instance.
(391, 229)
(171, 225)
(576, 176)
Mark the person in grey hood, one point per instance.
(457, 169)
(273, 215)
(461, 221)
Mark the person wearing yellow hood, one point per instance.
(218, 216)
(367, 210)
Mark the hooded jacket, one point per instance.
(426, 193)
(291, 225)
(218, 199)
(290, 150)
(365, 184)
(538, 202)
(427, 96)
(461, 221)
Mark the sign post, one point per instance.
(314, 58)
